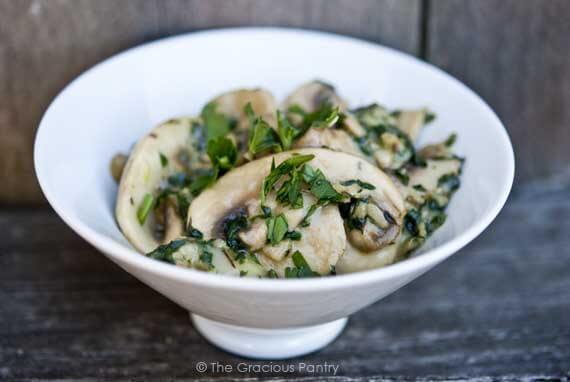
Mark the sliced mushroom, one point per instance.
(334, 139)
(323, 244)
(374, 115)
(324, 240)
(428, 176)
(311, 95)
(233, 103)
(152, 160)
(204, 256)
(173, 224)
(411, 122)
(241, 187)
(354, 260)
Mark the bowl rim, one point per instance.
(413, 264)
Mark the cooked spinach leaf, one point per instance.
(449, 182)
(232, 227)
(164, 252)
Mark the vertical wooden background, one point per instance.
(514, 53)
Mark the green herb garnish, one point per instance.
(276, 228)
(261, 136)
(216, 124)
(307, 218)
(271, 274)
(144, 208)
(232, 227)
(286, 131)
(293, 235)
(450, 141)
(361, 184)
(324, 117)
(222, 153)
(206, 258)
(320, 187)
(429, 116)
(301, 269)
(163, 160)
(164, 252)
(419, 187)
(284, 168)
(203, 181)
(412, 221)
(402, 175)
(194, 233)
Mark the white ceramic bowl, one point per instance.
(110, 106)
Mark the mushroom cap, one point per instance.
(311, 95)
(233, 103)
(334, 139)
(143, 174)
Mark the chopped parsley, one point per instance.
(320, 187)
(402, 175)
(301, 269)
(429, 117)
(450, 141)
(262, 137)
(286, 131)
(232, 227)
(222, 153)
(307, 218)
(206, 258)
(325, 116)
(216, 124)
(361, 184)
(419, 187)
(412, 221)
(284, 168)
(204, 181)
(194, 233)
(276, 228)
(293, 235)
(271, 274)
(163, 160)
(144, 208)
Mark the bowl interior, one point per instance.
(110, 106)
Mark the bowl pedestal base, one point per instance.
(268, 343)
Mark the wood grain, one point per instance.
(44, 44)
(515, 54)
(496, 311)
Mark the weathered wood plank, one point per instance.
(515, 54)
(499, 308)
(44, 44)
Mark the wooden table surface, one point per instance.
(500, 309)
